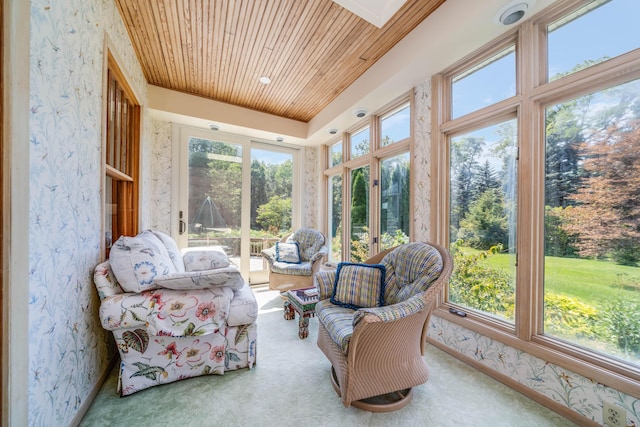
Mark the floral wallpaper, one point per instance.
(580, 394)
(161, 176)
(68, 349)
(422, 162)
(310, 188)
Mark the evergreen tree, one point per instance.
(359, 200)
(485, 225)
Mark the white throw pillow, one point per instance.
(197, 259)
(138, 261)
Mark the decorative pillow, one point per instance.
(359, 285)
(137, 261)
(288, 252)
(172, 249)
(197, 259)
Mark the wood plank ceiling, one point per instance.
(312, 50)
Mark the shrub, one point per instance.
(478, 285)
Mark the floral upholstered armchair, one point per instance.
(373, 319)
(295, 259)
(174, 315)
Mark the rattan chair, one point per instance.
(377, 353)
(288, 274)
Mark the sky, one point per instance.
(608, 31)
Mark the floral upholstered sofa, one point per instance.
(174, 314)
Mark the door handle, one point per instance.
(182, 227)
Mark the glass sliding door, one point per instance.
(236, 194)
(271, 205)
(214, 207)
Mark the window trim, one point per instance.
(111, 65)
(533, 94)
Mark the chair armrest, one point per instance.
(389, 313)
(269, 254)
(320, 254)
(323, 281)
(168, 312)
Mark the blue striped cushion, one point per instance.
(359, 285)
(288, 252)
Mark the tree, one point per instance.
(275, 215)
(359, 200)
(484, 179)
(215, 172)
(258, 189)
(485, 225)
(464, 162)
(563, 132)
(607, 211)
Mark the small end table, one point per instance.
(304, 302)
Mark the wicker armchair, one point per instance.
(377, 353)
(296, 272)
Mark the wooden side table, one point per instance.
(304, 302)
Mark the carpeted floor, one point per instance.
(290, 385)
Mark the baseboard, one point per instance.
(509, 382)
(82, 411)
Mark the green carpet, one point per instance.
(291, 385)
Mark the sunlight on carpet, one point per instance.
(290, 385)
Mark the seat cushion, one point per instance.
(288, 252)
(302, 269)
(338, 321)
(359, 285)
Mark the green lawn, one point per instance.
(590, 281)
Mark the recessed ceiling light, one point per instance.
(214, 126)
(333, 131)
(265, 80)
(513, 12)
(279, 138)
(360, 112)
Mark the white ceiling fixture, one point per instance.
(513, 12)
(377, 12)
(265, 80)
(360, 112)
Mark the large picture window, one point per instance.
(374, 176)
(538, 172)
